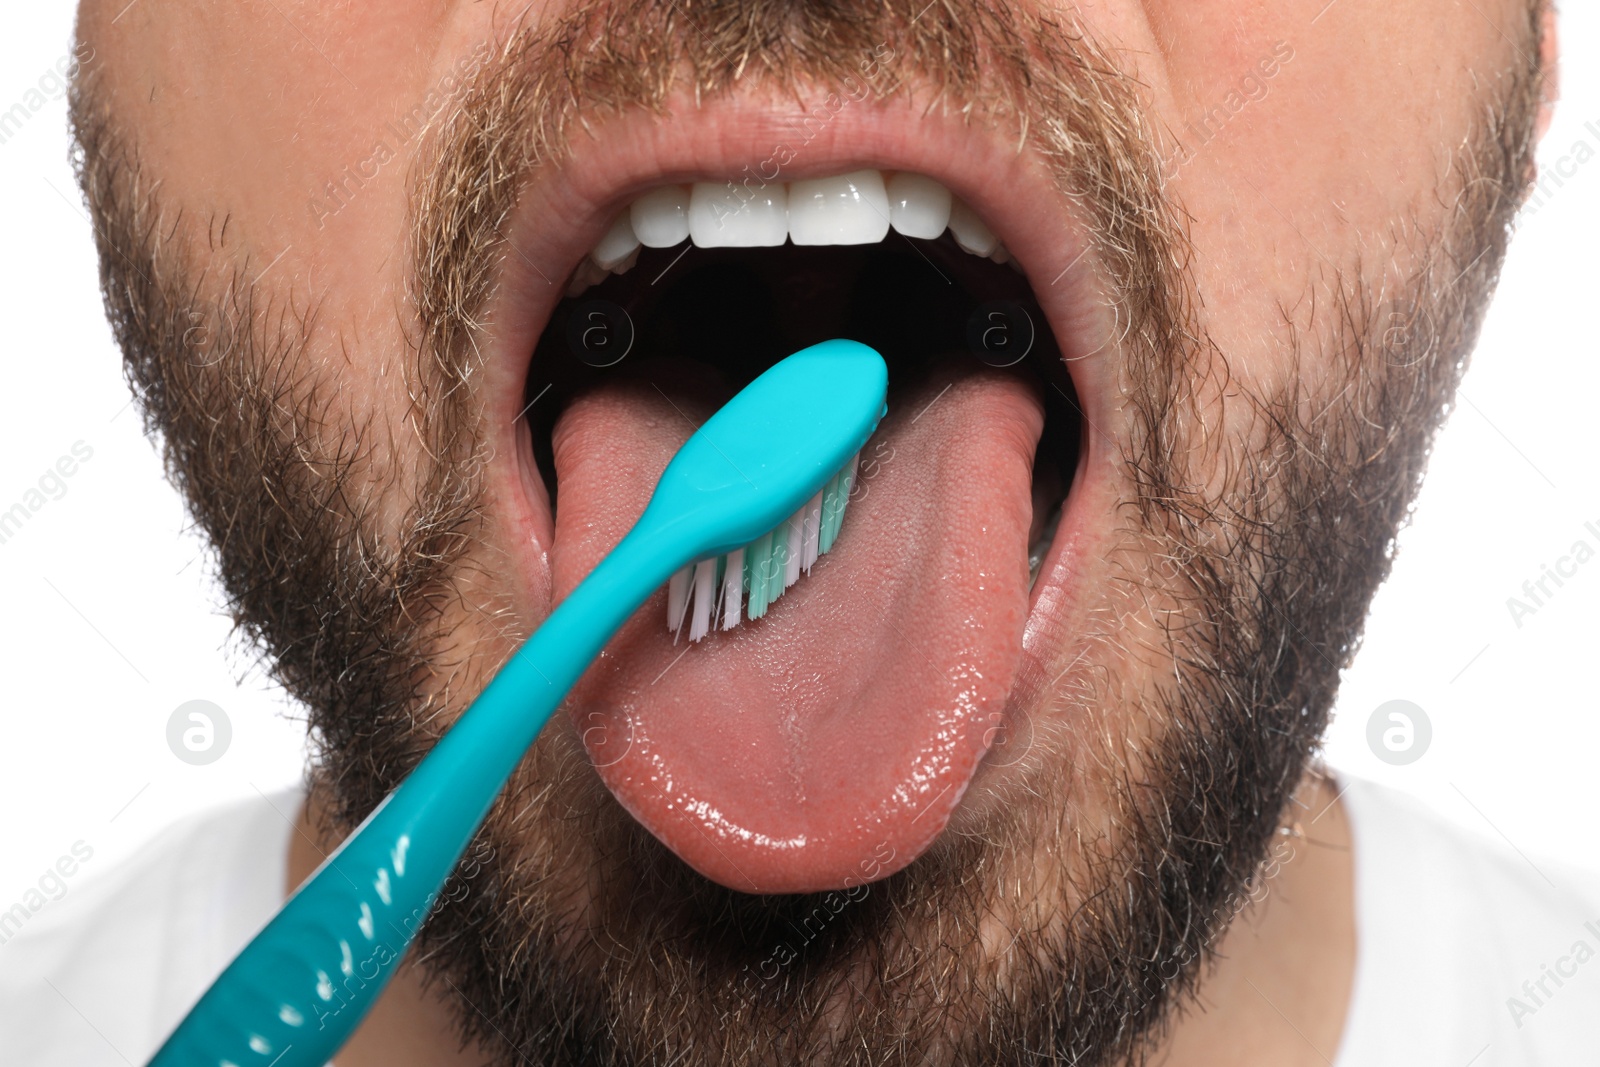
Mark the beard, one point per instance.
(1063, 928)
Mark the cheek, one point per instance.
(327, 103)
(1346, 149)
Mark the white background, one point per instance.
(108, 620)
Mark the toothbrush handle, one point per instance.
(298, 990)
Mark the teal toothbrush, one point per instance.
(773, 464)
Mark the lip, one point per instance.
(565, 208)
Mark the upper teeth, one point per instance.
(971, 232)
(729, 216)
(918, 205)
(846, 209)
(660, 218)
(852, 209)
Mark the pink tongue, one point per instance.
(826, 744)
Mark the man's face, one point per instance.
(982, 785)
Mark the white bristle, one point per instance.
(718, 589)
(795, 528)
(810, 535)
(677, 599)
(705, 578)
(733, 590)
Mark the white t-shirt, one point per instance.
(1449, 928)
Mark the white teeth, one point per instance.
(845, 209)
(617, 245)
(661, 217)
(918, 205)
(587, 274)
(727, 215)
(971, 232)
(627, 263)
(850, 209)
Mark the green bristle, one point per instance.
(780, 560)
(841, 500)
(757, 558)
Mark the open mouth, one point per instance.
(827, 743)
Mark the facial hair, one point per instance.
(1049, 934)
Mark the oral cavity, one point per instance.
(846, 209)
(828, 742)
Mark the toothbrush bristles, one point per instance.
(733, 589)
(745, 582)
(795, 555)
(677, 598)
(705, 573)
(808, 540)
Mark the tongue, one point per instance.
(826, 744)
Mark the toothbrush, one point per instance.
(779, 448)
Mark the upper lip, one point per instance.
(565, 207)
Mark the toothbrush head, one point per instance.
(770, 474)
(724, 590)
